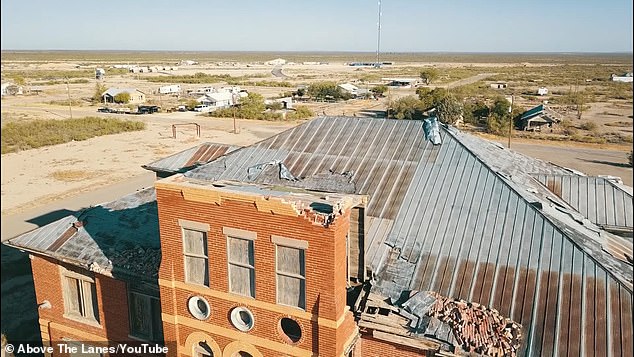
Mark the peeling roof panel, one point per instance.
(191, 157)
(600, 200)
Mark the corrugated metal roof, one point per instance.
(533, 112)
(191, 157)
(118, 237)
(600, 200)
(467, 220)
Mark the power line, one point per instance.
(378, 39)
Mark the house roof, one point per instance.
(348, 87)
(120, 238)
(114, 91)
(533, 112)
(467, 219)
(219, 96)
(187, 159)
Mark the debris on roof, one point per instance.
(190, 158)
(432, 130)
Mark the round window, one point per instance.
(291, 329)
(242, 318)
(199, 307)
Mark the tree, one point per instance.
(123, 97)
(379, 90)
(431, 97)
(475, 111)
(19, 80)
(99, 89)
(429, 75)
(327, 90)
(449, 110)
(408, 107)
(499, 121)
(251, 106)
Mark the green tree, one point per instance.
(501, 107)
(475, 111)
(449, 110)
(428, 75)
(379, 90)
(500, 119)
(431, 97)
(123, 97)
(99, 89)
(408, 107)
(327, 90)
(251, 106)
(19, 80)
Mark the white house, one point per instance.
(542, 91)
(218, 100)
(11, 89)
(349, 88)
(171, 89)
(627, 78)
(136, 96)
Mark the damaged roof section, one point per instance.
(190, 158)
(322, 209)
(437, 323)
(116, 238)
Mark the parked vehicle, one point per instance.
(202, 108)
(148, 109)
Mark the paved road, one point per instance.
(13, 225)
(277, 72)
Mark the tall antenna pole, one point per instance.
(378, 39)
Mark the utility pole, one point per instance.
(70, 107)
(511, 120)
(378, 39)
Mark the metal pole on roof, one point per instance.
(511, 120)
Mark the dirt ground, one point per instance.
(39, 176)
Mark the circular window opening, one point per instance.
(291, 329)
(199, 307)
(242, 319)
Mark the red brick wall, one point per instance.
(111, 297)
(371, 347)
(325, 266)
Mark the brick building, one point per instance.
(348, 237)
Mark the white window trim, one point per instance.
(65, 273)
(239, 233)
(289, 242)
(197, 226)
(243, 265)
(188, 225)
(292, 275)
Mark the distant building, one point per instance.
(542, 91)
(401, 82)
(188, 63)
(535, 118)
(627, 77)
(136, 96)
(276, 62)
(99, 73)
(171, 89)
(498, 85)
(218, 100)
(11, 89)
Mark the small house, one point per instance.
(11, 89)
(498, 85)
(276, 62)
(535, 118)
(136, 96)
(542, 91)
(170, 89)
(626, 78)
(401, 82)
(99, 73)
(218, 100)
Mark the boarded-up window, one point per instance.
(145, 317)
(80, 298)
(291, 277)
(195, 251)
(241, 267)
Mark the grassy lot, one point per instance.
(18, 136)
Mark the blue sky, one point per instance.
(319, 25)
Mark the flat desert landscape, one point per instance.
(38, 176)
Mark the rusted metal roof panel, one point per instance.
(600, 200)
(191, 157)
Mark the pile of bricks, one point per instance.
(477, 328)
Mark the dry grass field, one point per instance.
(37, 176)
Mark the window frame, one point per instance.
(156, 332)
(302, 247)
(204, 230)
(82, 315)
(250, 237)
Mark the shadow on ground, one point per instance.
(611, 163)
